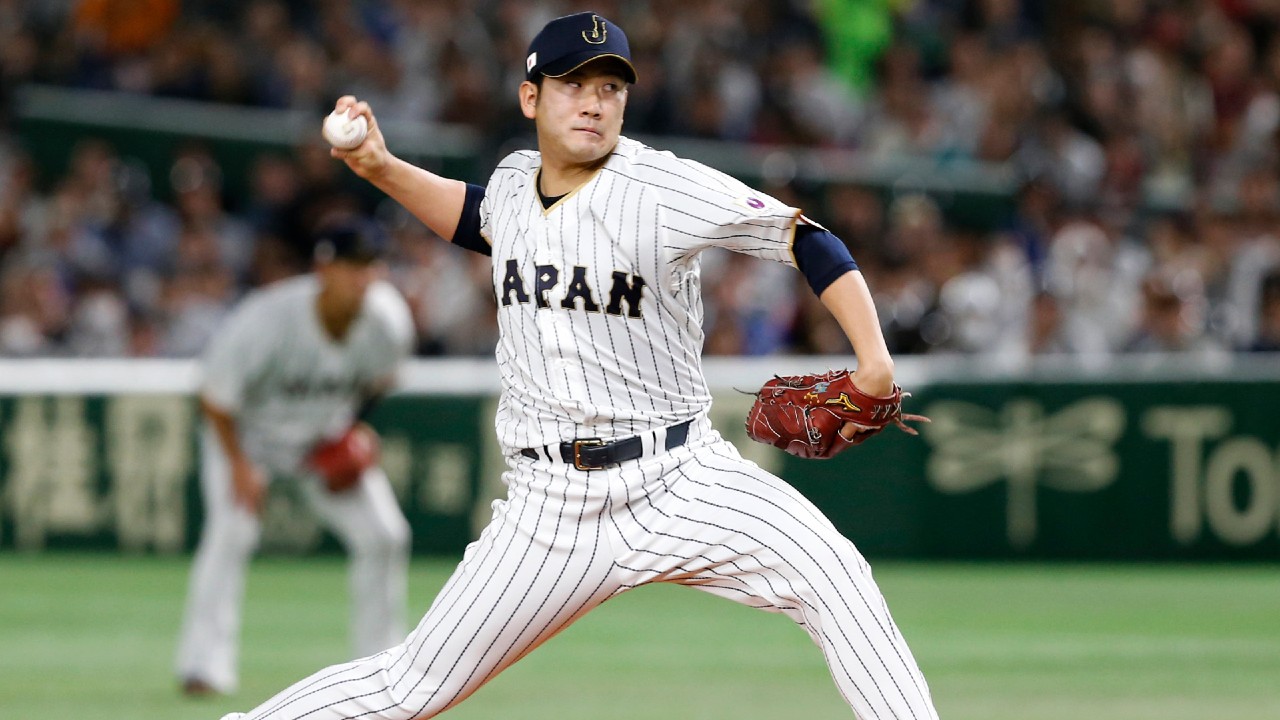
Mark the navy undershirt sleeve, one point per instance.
(468, 233)
(821, 256)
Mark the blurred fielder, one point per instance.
(285, 382)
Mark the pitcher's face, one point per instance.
(579, 115)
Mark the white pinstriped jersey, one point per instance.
(599, 300)
(599, 312)
(288, 383)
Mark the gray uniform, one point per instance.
(290, 385)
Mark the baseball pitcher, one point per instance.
(615, 477)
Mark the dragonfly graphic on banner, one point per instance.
(1070, 450)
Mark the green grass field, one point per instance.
(92, 636)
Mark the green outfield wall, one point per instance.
(1103, 469)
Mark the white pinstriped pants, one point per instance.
(564, 541)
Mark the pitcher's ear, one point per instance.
(529, 99)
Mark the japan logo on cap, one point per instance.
(567, 43)
(599, 32)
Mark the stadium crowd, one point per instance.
(1144, 136)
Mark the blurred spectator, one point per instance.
(1004, 22)
(1172, 316)
(856, 214)
(982, 306)
(1268, 338)
(120, 28)
(915, 263)
(19, 205)
(752, 307)
(34, 310)
(856, 33)
(824, 110)
(1035, 219)
(99, 323)
(446, 289)
(196, 181)
(275, 191)
(1046, 332)
(228, 78)
(195, 300)
(960, 97)
(1095, 273)
(1069, 160)
(1255, 254)
(113, 38)
(900, 119)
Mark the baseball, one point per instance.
(343, 132)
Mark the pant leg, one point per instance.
(544, 561)
(371, 526)
(744, 534)
(208, 648)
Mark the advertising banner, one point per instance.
(1121, 470)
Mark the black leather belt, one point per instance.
(594, 453)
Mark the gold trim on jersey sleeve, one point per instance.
(791, 240)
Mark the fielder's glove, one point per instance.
(803, 414)
(342, 460)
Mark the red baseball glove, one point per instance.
(342, 460)
(804, 414)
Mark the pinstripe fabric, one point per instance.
(568, 371)
(600, 315)
(564, 541)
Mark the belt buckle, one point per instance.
(577, 452)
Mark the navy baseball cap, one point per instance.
(567, 43)
(357, 242)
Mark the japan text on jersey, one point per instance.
(599, 295)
